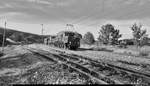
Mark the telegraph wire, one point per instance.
(128, 14)
(83, 19)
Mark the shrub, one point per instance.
(143, 53)
(88, 38)
(1, 54)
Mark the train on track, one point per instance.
(64, 39)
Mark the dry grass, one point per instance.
(130, 50)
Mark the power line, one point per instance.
(104, 13)
(82, 19)
(128, 14)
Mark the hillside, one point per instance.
(20, 36)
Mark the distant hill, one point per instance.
(20, 36)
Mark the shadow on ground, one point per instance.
(94, 49)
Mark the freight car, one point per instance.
(65, 39)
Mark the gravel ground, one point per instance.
(19, 66)
(42, 73)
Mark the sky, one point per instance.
(85, 15)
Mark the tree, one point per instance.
(140, 37)
(109, 35)
(88, 38)
(115, 36)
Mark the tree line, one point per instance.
(109, 35)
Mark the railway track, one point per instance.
(115, 70)
(102, 73)
(67, 64)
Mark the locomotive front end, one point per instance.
(74, 42)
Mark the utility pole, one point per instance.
(42, 30)
(3, 43)
(42, 33)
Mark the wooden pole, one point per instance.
(3, 43)
(42, 33)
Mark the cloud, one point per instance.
(77, 10)
(85, 13)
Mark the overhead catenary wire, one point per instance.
(82, 19)
(128, 14)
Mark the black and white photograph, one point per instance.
(75, 42)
